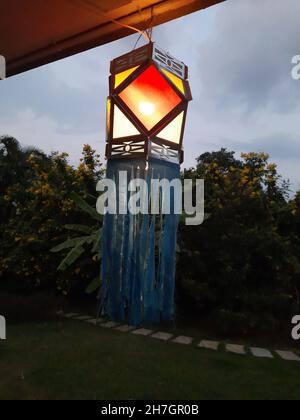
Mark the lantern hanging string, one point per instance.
(142, 33)
(149, 31)
(150, 26)
(137, 41)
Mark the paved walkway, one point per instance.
(187, 341)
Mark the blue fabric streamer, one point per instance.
(139, 252)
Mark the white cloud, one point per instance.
(47, 135)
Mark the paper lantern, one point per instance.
(146, 114)
(147, 106)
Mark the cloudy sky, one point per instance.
(245, 99)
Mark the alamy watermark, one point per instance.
(296, 329)
(159, 196)
(296, 67)
(2, 67)
(2, 328)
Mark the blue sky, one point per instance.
(245, 99)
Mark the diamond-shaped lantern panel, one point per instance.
(149, 95)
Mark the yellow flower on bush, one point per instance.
(255, 194)
(244, 180)
(272, 167)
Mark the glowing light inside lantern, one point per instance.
(150, 97)
(147, 108)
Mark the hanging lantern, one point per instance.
(147, 106)
(146, 114)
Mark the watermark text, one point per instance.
(2, 328)
(159, 196)
(2, 67)
(296, 329)
(296, 67)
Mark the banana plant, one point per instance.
(90, 237)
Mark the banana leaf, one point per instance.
(97, 242)
(93, 286)
(70, 243)
(71, 258)
(84, 206)
(80, 228)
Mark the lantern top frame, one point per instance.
(150, 53)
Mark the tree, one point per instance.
(38, 205)
(239, 265)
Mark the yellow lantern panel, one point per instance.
(121, 77)
(172, 132)
(175, 80)
(122, 126)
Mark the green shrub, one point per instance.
(242, 265)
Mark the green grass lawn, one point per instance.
(73, 360)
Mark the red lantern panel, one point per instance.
(150, 97)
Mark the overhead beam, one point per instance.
(160, 12)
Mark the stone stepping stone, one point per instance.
(71, 315)
(182, 339)
(83, 318)
(125, 328)
(95, 321)
(142, 331)
(162, 336)
(263, 353)
(92, 321)
(235, 348)
(209, 345)
(109, 324)
(288, 355)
